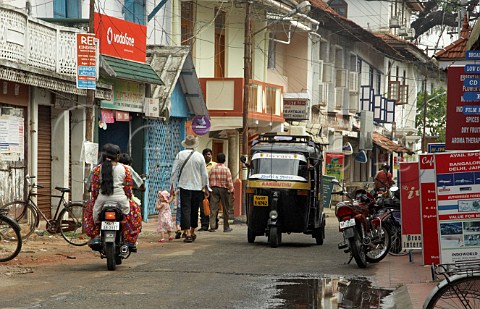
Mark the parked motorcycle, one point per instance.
(365, 236)
(112, 246)
(389, 208)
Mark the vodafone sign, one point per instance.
(120, 38)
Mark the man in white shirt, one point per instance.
(190, 170)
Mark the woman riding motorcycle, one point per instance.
(112, 181)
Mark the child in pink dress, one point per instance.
(165, 223)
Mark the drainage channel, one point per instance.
(331, 293)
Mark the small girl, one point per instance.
(164, 215)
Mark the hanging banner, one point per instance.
(428, 208)
(334, 165)
(410, 205)
(458, 199)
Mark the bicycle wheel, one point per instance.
(462, 292)
(71, 224)
(10, 239)
(26, 216)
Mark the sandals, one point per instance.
(161, 240)
(194, 236)
(178, 234)
(188, 239)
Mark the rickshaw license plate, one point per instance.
(347, 223)
(260, 200)
(110, 226)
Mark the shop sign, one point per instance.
(120, 38)
(86, 61)
(127, 96)
(458, 184)
(200, 125)
(151, 108)
(410, 206)
(463, 112)
(428, 210)
(334, 165)
(122, 116)
(295, 109)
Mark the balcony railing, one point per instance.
(27, 40)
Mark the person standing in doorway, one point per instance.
(190, 170)
(205, 220)
(222, 190)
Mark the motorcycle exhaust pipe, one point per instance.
(124, 249)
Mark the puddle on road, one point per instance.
(328, 293)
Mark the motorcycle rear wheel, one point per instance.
(357, 250)
(110, 254)
(382, 247)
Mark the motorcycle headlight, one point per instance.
(273, 215)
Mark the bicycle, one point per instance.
(459, 289)
(10, 238)
(68, 221)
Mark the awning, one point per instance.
(174, 64)
(384, 142)
(129, 70)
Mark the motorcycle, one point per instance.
(389, 207)
(365, 236)
(111, 246)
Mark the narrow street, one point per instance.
(218, 270)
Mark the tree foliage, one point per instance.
(442, 13)
(436, 113)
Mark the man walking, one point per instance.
(190, 170)
(222, 186)
(205, 220)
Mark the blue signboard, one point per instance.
(472, 54)
(471, 82)
(472, 68)
(436, 147)
(471, 96)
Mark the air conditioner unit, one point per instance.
(353, 81)
(394, 22)
(327, 72)
(340, 78)
(339, 98)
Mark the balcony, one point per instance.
(38, 53)
(224, 99)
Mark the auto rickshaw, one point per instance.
(283, 188)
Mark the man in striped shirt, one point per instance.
(220, 180)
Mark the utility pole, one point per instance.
(424, 146)
(247, 75)
(90, 103)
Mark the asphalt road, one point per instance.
(218, 270)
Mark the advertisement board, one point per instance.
(458, 199)
(121, 39)
(295, 109)
(428, 208)
(463, 112)
(86, 61)
(334, 164)
(410, 205)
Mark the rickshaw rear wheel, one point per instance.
(250, 236)
(320, 235)
(274, 237)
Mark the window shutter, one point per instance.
(59, 9)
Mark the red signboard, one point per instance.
(463, 120)
(431, 251)
(120, 38)
(410, 205)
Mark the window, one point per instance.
(66, 9)
(187, 22)
(134, 11)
